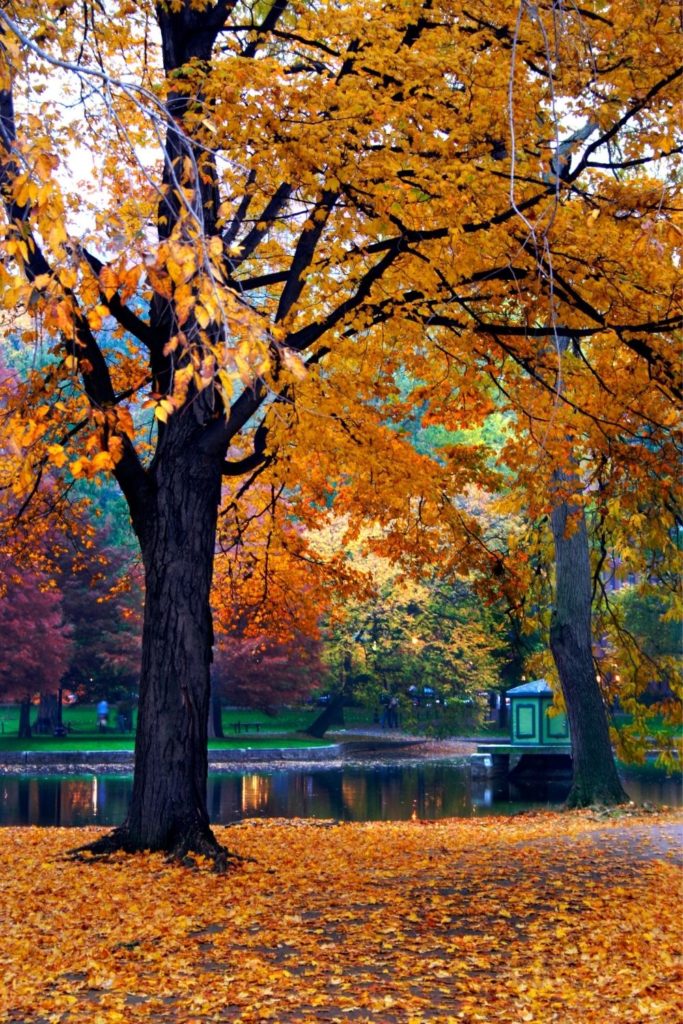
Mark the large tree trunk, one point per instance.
(168, 806)
(177, 530)
(595, 778)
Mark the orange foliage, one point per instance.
(405, 191)
(533, 920)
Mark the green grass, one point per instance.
(280, 730)
(105, 743)
(50, 743)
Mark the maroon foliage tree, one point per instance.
(266, 672)
(36, 642)
(102, 601)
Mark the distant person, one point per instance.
(124, 716)
(103, 715)
(384, 704)
(392, 715)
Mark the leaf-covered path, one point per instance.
(571, 918)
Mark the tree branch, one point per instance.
(124, 316)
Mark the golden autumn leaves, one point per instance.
(531, 920)
(404, 120)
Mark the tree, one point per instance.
(265, 673)
(285, 207)
(270, 592)
(408, 630)
(35, 639)
(594, 778)
(589, 506)
(202, 337)
(101, 601)
(623, 402)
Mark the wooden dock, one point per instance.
(510, 759)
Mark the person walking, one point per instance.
(103, 715)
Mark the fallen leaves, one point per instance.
(540, 918)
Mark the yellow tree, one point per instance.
(177, 229)
(588, 143)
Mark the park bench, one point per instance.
(238, 727)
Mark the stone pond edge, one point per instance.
(234, 755)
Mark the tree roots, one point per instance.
(195, 842)
(595, 794)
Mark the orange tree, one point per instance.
(233, 224)
(268, 596)
(584, 342)
(611, 517)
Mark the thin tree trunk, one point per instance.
(216, 716)
(595, 779)
(48, 718)
(24, 732)
(331, 714)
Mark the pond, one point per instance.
(377, 791)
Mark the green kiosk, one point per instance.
(531, 722)
(539, 740)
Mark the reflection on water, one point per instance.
(375, 792)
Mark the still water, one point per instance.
(377, 792)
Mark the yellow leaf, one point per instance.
(57, 235)
(109, 281)
(68, 277)
(294, 363)
(101, 461)
(202, 317)
(57, 455)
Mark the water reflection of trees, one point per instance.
(372, 793)
(63, 800)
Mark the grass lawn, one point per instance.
(114, 742)
(280, 730)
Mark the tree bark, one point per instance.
(177, 535)
(24, 731)
(216, 716)
(595, 778)
(332, 714)
(48, 717)
(176, 527)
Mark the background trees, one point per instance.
(102, 601)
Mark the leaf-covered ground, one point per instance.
(572, 918)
